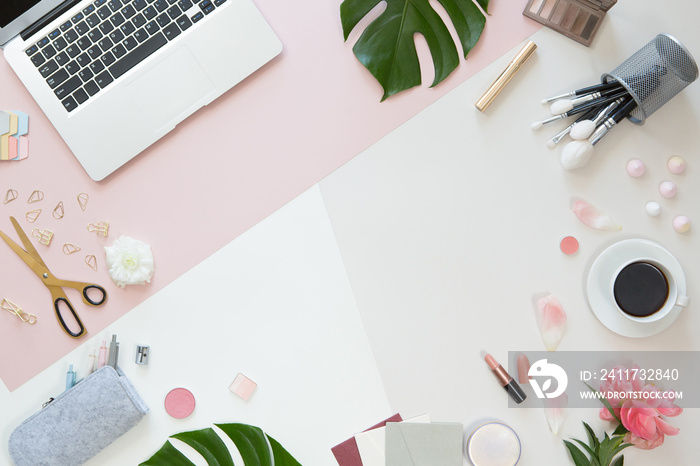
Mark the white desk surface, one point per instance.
(274, 305)
(446, 228)
(450, 224)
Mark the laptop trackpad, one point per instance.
(171, 90)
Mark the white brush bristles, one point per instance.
(576, 154)
(561, 106)
(582, 130)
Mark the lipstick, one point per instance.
(507, 382)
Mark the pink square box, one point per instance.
(243, 386)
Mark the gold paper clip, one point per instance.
(91, 261)
(32, 215)
(35, 197)
(102, 228)
(11, 307)
(44, 236)
(83, 200)
(70, 248)
(10, 196)
(58, 211)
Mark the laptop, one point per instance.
(114, 76)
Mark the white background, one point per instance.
(447, 227)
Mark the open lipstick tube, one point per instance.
(506, 381)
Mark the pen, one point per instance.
(91, 361)
(113, 352)
(102, 359)
(70, 377)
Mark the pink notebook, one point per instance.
(347, 454)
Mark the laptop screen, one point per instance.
(13, 9)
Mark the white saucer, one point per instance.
(601, 274)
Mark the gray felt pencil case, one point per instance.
(78, 423)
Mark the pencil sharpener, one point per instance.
(142, 353)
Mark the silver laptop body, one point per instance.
(114, 76)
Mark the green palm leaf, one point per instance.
(255, 447)
(207, 444)
(169, 455)
(251, 443)
(386, 47)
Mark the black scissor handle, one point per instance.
(90, 301)
(63, 322)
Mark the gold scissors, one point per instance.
(32, 258)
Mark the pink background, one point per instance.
(217, 174)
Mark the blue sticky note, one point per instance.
(22, 124)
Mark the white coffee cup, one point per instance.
(673, 297)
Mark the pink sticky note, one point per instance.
(23, 148)
(14, 143)
(243, 386)
(347, 454)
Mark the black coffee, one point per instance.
(641, 289)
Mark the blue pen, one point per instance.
(70, 377)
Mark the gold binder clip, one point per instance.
(70, 248)
(44, 236)
(102, 228)
(12, 308)
(91, 261)
(32, 215)
(10, 196)
(35, 197)
(58, 211)
(83, 200)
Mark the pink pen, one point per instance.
(102, 359)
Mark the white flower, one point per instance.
(130, 261)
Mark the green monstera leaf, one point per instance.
(386, 47)
(255, 447)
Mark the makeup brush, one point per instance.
(583, 129)
(585, 117)
(576, 154)
(562, 106)
(580, 109)
(585, 90)
(591, 119)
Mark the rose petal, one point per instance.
(551, 321)
(638, 419)
(668, 408)
(665, 427)
(644, 444)
(555, 411)
(605, 415)
(593, 217)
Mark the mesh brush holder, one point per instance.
(655, 74)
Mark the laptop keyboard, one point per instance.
(108, 38)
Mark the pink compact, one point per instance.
(569, 245)
(179, 403)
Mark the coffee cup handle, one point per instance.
(683, 301)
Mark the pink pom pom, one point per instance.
(667, 189)
(635, 168)
(676, 165)
(681, 224)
